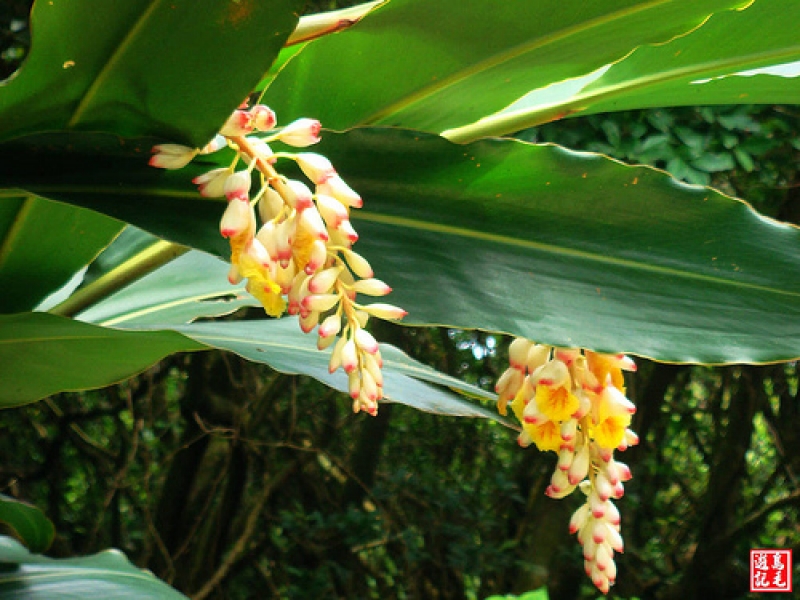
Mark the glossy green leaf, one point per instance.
(42, 244)
(280, 344)
(111, 175)
(130, 242)
(107, 575)
(730, 60)
(435, 65)
(138, 67)
(28, 522)
(565, 248)
(571, 249)
(195, 285)
(192, 286)
(42, 354)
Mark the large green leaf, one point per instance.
(435, 65)
(572, 249)
(192, 286)
(41, 354)
(42, 244)
(280, 344)
(565, 248)
(111, 175)
(716, 64)
(107, 575)
(138, 67)
(195, 286)
(28, 522)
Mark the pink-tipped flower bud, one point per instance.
(331, 210)
(336, 187)
(296, 194)
(239, 123)
(238, 186)
(262, 117)
(578, 519)
(319, 302)
(538, 355)
(317, 257)
(261, 150)
(518, 352)
(315, 166)
(354, 384)
(368, 386)
(325, 342)
(346, 228)
(234, 277)
(358, 264)
(580, 466)
(269, 205)
(212, 184)
(373, 365)
(612, 513)
(268, 236)
(569, 429)
(322, 282)
(553, 374)
(349, 356)
(336, 356)
(565, 458)
(365, 341)
(301, 133)
(603, 487)
(385, 311)
(256, 252)
(237, 219)
(311, 222)
(330, 326)
(309, 321)
(171, 156)
(218, 142)
(371, 287)
(616, 401)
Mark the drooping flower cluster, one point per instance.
(296, 255)
(573, 403)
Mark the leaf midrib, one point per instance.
(500, 58)
(560, 251)
(456, 231)
(120, 50)
(504, 123)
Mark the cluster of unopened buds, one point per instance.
(297, 255)
(573, 403)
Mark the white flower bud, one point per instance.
(301, 133)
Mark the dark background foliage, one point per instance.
(232, 481)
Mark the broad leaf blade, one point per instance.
(139, 67)
(195, 285)
(437, 65)
(280, 344)
(108, 575)
(571, 249)
(42, 354)
(33, 528)
(192, 286)
(42, 244)
(565, 248)
(727, 61)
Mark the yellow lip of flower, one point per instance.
(610, 432)
(546, 436)
(557, 403)
(554, 397)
